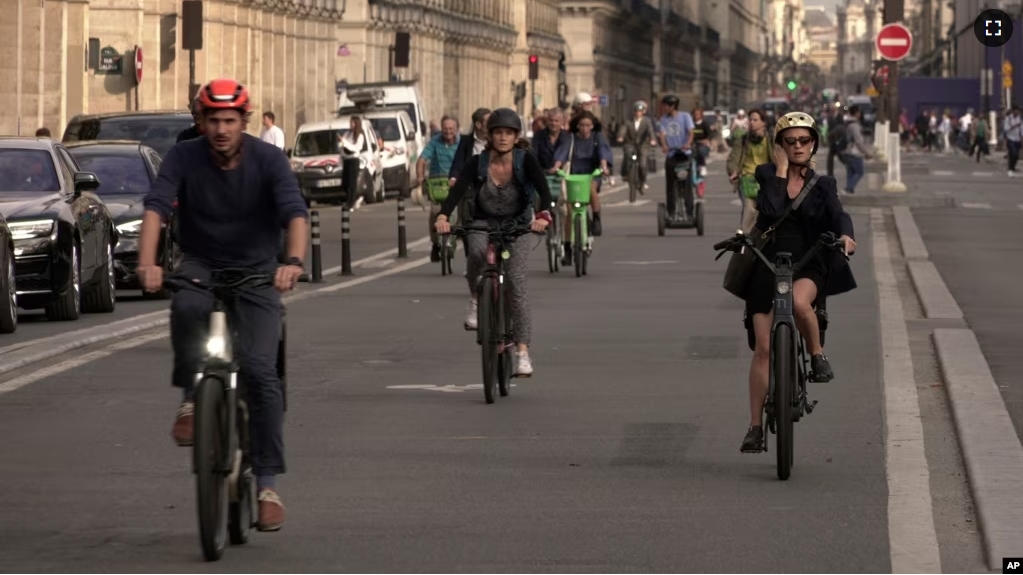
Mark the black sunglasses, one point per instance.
(804, 141)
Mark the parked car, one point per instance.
(315, 161)
(400, 152)
(63, 234)
(126, 170)
(158, 130)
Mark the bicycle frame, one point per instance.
(785, 315)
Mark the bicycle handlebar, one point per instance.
(739, 241)
(501, 231)
(227, 279)
(594, 174)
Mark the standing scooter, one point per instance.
(688, 183)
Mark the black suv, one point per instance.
(158, 130)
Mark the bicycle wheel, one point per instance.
(210, 456)
(784, 372)
(241, 511)
(487, 325)
(633, 181)
(282, 357)
(577, 244)
(445, 261)
(506, 357)
(552, 249)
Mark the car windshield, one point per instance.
(118, 174)
(319, 143)
(27, 171)
(387, 128)
(158, 132)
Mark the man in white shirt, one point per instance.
(271, 134)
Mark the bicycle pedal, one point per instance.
(810, 406)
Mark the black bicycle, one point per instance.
(787, 400)
(494, 332)
(225, 485)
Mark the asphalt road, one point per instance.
(620, 454)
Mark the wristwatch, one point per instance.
(295, 262)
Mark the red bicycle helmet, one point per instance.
(225, 94)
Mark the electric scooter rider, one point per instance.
(796, 141)
(675, 130)
(502, 183)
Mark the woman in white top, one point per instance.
(351, 145)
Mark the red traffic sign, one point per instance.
(894, 42)
(138, 65)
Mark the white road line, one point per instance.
(626, 203)
(942, 173)
(376, 257)
(976, 205)
(913, 542)
(1020, 206)
(984, 174)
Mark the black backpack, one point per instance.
(838, 138)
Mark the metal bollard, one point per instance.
(346, 240)
(314, 223)
(402, 248)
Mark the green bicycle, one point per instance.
(437, 189)
(555, 245)
(578, 197)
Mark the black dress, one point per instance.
(790, 237)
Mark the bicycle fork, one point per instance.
(221, 369)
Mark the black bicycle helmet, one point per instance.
(504, 118)
(670, 100)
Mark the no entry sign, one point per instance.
(894, 42)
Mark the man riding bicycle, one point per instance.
(637, 135)
(235, 193)
(439, 154)
(675, 131)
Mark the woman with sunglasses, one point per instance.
(795, 142)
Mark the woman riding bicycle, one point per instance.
(796, 141)
(505, 192)
(587, 150)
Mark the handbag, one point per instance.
(743, 262)
(749, 187)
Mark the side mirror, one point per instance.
(410, 137)
(85, 182)
(423, 128)
(288, 152)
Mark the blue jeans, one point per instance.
(853, 171)
(257, 319)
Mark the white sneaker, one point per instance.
(702, 171)
(471, 312)
(523, 365)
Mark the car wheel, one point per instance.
(102, 297)
(9, 304)
(68, 307)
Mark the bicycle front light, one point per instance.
(784, 287)
(216, 346)
(577, 204)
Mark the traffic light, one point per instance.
(534, 67)
(792, 85)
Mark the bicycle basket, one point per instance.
(578, 188)
(437, 189)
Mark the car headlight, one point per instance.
(31, 229)
(131, 228)
(784, 287)
(297, 166)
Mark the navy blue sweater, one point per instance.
(228, 218)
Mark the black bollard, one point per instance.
(402, 248)
(314, 222)
(346, 241)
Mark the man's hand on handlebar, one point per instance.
(286, 276)
(151, 277)
(442, 225)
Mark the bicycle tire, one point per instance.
(240, 512)
(552, 249)
(633, 182)
(487, 325)
(557, 242)
(577, 244)
(210, 477)
(784, 368)
(282, 357)
(505, 359)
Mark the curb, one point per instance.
(935, 298)
(991, 449)
(912, 242)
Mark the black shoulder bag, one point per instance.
(743, 262)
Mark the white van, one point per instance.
(315, 161)
(400, 151)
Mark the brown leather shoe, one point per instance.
(183, 430)
(271, 510)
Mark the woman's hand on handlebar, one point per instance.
(850, 245)
(151, 277)
(442, 225)
(538, 225)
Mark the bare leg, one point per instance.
(759, 378)
(803, 293)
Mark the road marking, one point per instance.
(913, 543)
(444, 388)
(375, 257)
(1020, 206)
(984, 174)
(624, 203)
(49, 371)
(942, 173)
(976, 205)
(650, 263)
(736, 202)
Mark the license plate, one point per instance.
(328, 183)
